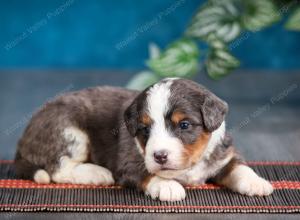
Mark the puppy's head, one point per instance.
(172, 123)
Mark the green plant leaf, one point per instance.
(220, 18)
(220, 63)
(142, 80)
(215, 42)
(293, 22)
(259, 14)
(154, 51)
(180, 59)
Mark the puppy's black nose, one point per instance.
(161, 157)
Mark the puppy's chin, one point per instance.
(168, 170)
(170, 174)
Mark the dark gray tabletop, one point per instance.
(264, 119)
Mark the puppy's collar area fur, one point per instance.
(216, 138)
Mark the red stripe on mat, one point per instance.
(6, 161)
(13, 183)
(270, 163)
(144, 207)
(254, 163)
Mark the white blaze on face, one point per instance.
(160, 138)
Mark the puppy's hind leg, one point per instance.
(242, 179)
(27, 170)
(71, 171)
(72, 167)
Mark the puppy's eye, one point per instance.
(184, 125)
(146, 130)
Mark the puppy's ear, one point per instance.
(131, 118)
(213, 111)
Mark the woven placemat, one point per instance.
(24, 195)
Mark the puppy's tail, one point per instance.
(26, 170)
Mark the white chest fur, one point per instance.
(202, 171)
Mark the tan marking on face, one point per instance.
(177, 117)
(193, 152)
(145, 182)
(142, 145)
(146, 120)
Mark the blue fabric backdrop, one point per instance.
(115, 34)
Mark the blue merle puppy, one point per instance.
(169, 135)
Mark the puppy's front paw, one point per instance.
(244, 180)
(255, 187)
(164, 189)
